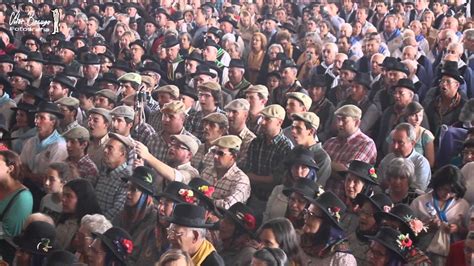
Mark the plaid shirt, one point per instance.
(247, 137)
(263, 157)
(158, 147)
(357, 146)
(86, 167)
(194, 122)
(233, 187)
(142, 132)
(203, 158)
(155, 120)
(96, 151)
(111, 190)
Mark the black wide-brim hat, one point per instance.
(49, 107)
(388, 237)
(64, 80)
(405, 83)
(189, 215)
(38, 238)
(172, 191)
(452, 72)
(90, 59)
(122, 65)
(364, 171)
(109, 77)
(304, 186)
(379, 200)
(326, 201)
(204, 69)
(362, 79)
(170, 41)
(35, 92)
(230, 20)
(139, 43)
(31, 37)
(111, 241)
(302, 156)
(24, 107)
(188, 91)
(20, 72)
(398, 213)
(144, 179)
(238, 212)
(196, 185)
(36, 57)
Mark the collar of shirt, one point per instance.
(351, 137)
(118, 169)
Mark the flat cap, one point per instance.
(101, 111)
(173, 107)
(301, 97)
(262, 89)
(148, 80)
(187, 141)
(274, 111)
(69, 102)
(349, 110)
(131, 77)
(123, 111)
(237, 105)
(217, 118)
(109, 94)
(210, 85)
(171, 89)
(309, 117)
(128, 142)
(78, 132)
(229, 142)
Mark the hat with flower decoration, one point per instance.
(330, 205)
(177, 192)
(204, 192)
(189, 215)
(395, 241)
(117, 241)
(244, 217)
(380, 201)
(363, 170)
(410, 224)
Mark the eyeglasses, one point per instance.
(308, 214)
(172, 232)
(219, 152)
(178, 145)
(447, 81)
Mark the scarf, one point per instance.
(419, 37)
(43, 144)
(442, 213)
(255, 60)
(392, 36)
(5, 98)
(204, 250)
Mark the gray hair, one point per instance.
(228, 37)
(277, 46)
(409, 129)
(401, 167)
(201, 231)
(81, 16)
(470, 235)
(96, 223)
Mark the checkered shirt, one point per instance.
(203, 158)
(194, 122)
(358, 146)
(111, 190)
(233, 187)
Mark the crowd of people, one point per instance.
(264, 133)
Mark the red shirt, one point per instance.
(456, 254)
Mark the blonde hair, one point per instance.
(125, 27)
(174, 255)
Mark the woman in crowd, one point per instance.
(360, 179)
(323, 240)
(388, 247)
(185, 43)
(247, 28)
(400, 175)
(123, 45)
(90, 224)
(300, 165)
(139, 211)
(237, 233)
(16, 201)
(442, 209)
(111, 248)
(78, 199)
(35, 244)
(269, 257)
(367, 207)
(256, 55)
(279, 233)
(119, 29)
(57, 175)
(24, 127)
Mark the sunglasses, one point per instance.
(219, 152)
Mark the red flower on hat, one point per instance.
(250, 221)
(372, 173)
(187, 195)
(404, 242)
(207, 190)
(128, 245)
(334, 212)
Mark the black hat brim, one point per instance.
(364, 178)
(108, 243)
(393, 249)
(141, 185)
(379, 216)
(238, 222)
(188, 222)
(324, 210)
